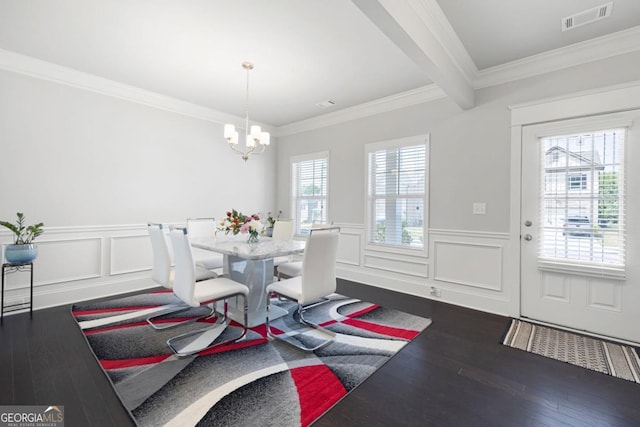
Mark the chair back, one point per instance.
(319, 264)
(201, 228)
(184, 281)
(161, 270)
(282, 230)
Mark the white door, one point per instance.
(580, 225)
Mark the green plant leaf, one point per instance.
(24, 234)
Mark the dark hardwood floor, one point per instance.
(455, 373)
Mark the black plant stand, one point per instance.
(11, 267)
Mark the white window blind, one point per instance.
(309, 190)
(397, 194)
(583, 199)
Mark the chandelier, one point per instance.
(254, 136)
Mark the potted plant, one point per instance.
(23, 250)
(271, 222)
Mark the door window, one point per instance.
(582, 198)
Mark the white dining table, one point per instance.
(252, 265)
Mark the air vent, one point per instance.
(587, 17)
(326, 103)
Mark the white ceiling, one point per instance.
(304, 51)
(495, 32)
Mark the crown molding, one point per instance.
(625, 41)
(619, 43)
(615, 44)
(29, 66)
(382, 105)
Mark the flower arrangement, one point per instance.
(236, 222)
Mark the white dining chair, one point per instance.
(195, 294)
(317, 281)
(288, 269)
(282, 230)
(293, 266)
(205, 229)
(163, 274)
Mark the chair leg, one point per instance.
(315, 304)
(288, 338)
(214, 332)
(175, 308)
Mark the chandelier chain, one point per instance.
(247, 102)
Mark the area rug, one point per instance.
(253, 382)
(620, 361)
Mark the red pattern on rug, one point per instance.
(390, 331)
(130, 363)
(382, 329)
(318, 390)
(317, 387)
(363, 311)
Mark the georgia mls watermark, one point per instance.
(31, 416)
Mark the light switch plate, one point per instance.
(479, 208)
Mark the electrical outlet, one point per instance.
(433, 291)
(479, 208)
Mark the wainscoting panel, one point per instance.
(468, 264)
(79, 263)
(468, 268)
(350, 244)
(354, 259)
(472, 269)
(130, 253)
(68, 260)
(395, 264)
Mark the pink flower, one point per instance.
(244, 228)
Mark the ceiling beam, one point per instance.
(402, 21)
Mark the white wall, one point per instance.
(472, 259)
(95, 169)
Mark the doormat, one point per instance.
(613, 359)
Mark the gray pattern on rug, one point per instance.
(252, 382)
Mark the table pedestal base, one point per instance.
(256, 275)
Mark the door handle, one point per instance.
(528, 237)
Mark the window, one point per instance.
(584, 219)
(578, 181)
(397, 193)
(309, 191)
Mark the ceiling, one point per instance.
(305, 52)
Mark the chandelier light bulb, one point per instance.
(229, 130)
(265, 138)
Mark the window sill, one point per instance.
(602, 272)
